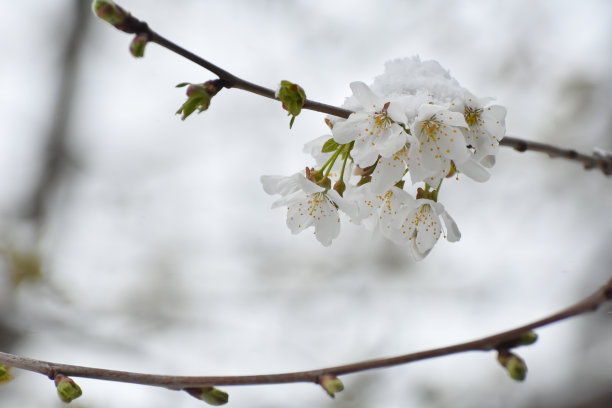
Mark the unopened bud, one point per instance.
(514, 365)
(524, 339)
(210, 395)
(527, 338)
(108, 11)
(293, 98)
(5, 373)
(198, 96)
(67, 389)
(340, 187)
(331, 384)
(137, 46)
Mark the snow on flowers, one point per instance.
(415, 120)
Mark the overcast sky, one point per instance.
(161, 253)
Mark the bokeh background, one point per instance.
(132, 240)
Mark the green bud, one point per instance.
(67, 389)
(5, 373)
(340, 187)
(210, 395)
(524, 339)
(527, 338)
(137, 46)
(198, 97)
(331, 384)
(293, 98)
(325, 183)
(108, 11)
(514, 365)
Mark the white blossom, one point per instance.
(421, 226)
(375, 129)
(486, 125)
(440, 136)
(308, 205)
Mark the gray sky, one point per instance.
(161, 253)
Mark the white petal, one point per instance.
(308, 186)
(452, 143)
(430, 156)
(327, 223)
(346, 205)
(350, 129)
(396, 112)
(428, 231)
(473, 170)
(298, 216)
(370, 101)
(282, 185)
(427, 110)
(388, 172)
(450, 118)
(452, 231)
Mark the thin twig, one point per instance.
(489, 343)
(602, 162)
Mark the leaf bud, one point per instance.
(293, 98)
(5, 373)
(198, 96)
(108, 11)
(137, 46)
(514, 365)
(67, 389)
(331, 384)
(210, 395)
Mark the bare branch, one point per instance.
(602, 162)
(503, 340)
(598, 160)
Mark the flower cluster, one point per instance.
(414, 120)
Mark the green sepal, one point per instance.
(364, 180)
(329, 146)
(5, 373)
(210, 395)
(340, 187)
(183, 84)
(293, 98)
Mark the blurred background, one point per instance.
(132, 240)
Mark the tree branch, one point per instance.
(598, 160)
(501, 341)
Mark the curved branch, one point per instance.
(503, 340)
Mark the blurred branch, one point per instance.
(132, 25)
(500, 342)
(55, 150)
